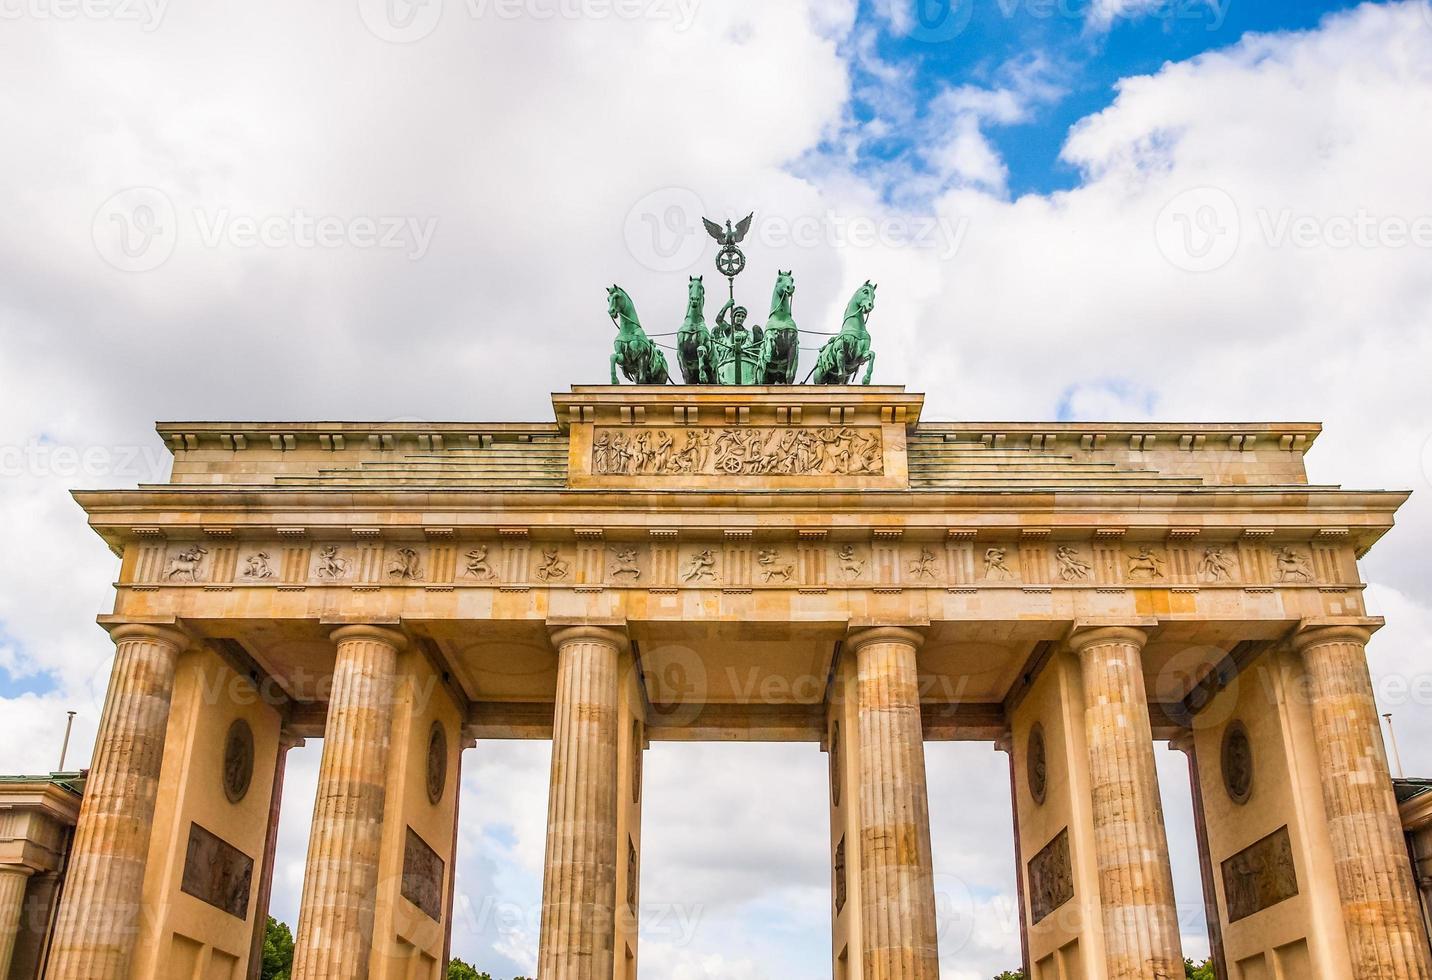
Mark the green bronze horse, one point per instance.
(641, 360)
(780, 348)
(843, 354)
(693, 341)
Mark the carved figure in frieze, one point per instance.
(995, 567)
(601, 447)
(553, 568)
(1072, 567)
(332, 565)
(772, 568)
(406, 565)
(625, 564)
(1217, 564)
(185, 565)
(1145, 565)
(478, 566)
(661, 455)
(640, 452)
(257, 566)
(1293, 566)
(924, 566)
(850, 563)
(701, 567)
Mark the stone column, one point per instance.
(13, 879)
(335, 918)
(1379, 900)
(1005, 744)
(287, 741)
(1184, 744)
(579, 886)
(1136, 898)
(897, 884)
(99, 912)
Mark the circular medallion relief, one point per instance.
(1237, 758)
(238, 760)
(1038, 769)
(835, 764)
(437, 762)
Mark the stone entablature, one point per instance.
(810, 438)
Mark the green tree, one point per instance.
(278, 951)
(460, 970)
(1011, 975)
(1203, 971)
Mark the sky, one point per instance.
(1197, 210)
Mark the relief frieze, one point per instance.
(738, 451)
(735, 563)
(217, 873)
(423, 870)
(1260, 876)
(1051, 877)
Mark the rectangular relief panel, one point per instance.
(217, 873)
(737, 451)
(1260, 876)
(1051, 877)
(423, 876)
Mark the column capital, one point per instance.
(1086, 633)
(24, 870)
(611, 633)
(361, 631)
(287, 741)
(1348, 629)
(1005, 743)
(910, 635)
(171, 636)
(1182, 743)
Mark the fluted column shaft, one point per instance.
(897, 885)
(1379, 899)
(1140, 918)
(335, 919)
(13, 880)
(579, 886)
(99, 913)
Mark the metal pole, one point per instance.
(1392, 737)
(65, 748)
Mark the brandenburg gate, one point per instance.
(817, 564)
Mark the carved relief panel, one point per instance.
(1051, 877)
(737, 451)
(1260, 876)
